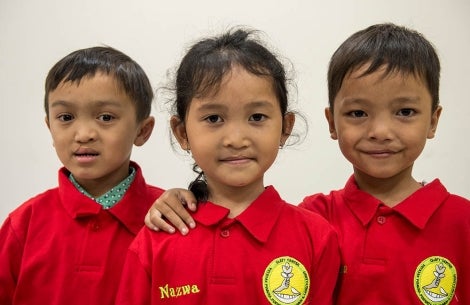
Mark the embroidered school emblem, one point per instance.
(435, 281)
(286, 281)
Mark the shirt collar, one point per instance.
(130, 211)
(111, 197)
(417, 208)
(258, 219)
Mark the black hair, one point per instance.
(399, 48)
(206, 63)
(87, 62)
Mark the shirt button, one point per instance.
(225, 233)
(96, 226)
(381, 219)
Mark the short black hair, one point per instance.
(399, 48)
(87, 62)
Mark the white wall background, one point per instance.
(36, 34)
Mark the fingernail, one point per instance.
(171, 230)
(192, 225)
(184, 231)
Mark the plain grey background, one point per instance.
(36, 34)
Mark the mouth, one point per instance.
(236, 160)
(379, 153)
(85, 153)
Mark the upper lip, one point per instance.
(85, 151)
(234, 158)
(379, 151)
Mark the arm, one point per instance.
(136, 283)
(10, 257)
(171, 206)
(325, 276)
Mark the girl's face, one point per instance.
(234, 134)
(382, 122)
(93, 125)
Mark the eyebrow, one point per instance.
(397, 100)
(218, 106)
(95, 103)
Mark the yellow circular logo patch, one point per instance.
(286, 281)
(435, 281)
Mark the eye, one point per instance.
(106, 117)
(357, 114)
(213, 118)
(65, 117)
(257, 117)
(406, 112)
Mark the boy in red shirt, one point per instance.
(68, 244)
(402, 241)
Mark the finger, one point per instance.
(187, 198)
(154, 221)
(163, 214)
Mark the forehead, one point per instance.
(98, 89)
(90, 85)
(240, 86)
(382, 87)
(383, 73)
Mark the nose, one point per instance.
(235, 136)
(85, 132)
(380, 129)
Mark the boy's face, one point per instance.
(382, 122)
(93, 127)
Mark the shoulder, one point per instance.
(139, 182)
(310, 220)
(323, 204)
(37, 207)
(38, 201)
(436, 189)
(155, 190)
(458, 205)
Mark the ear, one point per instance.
(287, 125)
(434, 120)
(146, 128)
(331, 123)
(179, 131)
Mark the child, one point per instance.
(68, 244)
(251, 246)
(402, 241)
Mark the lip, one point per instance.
(85, 155)
(379, 153)
(236, 159)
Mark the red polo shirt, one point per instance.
(61, 247)
(272, 251)
(417, 252)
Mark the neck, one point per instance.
(392, 190)
(236, 199)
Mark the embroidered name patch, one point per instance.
(435, 281)
(167, 292)
(286, 281)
